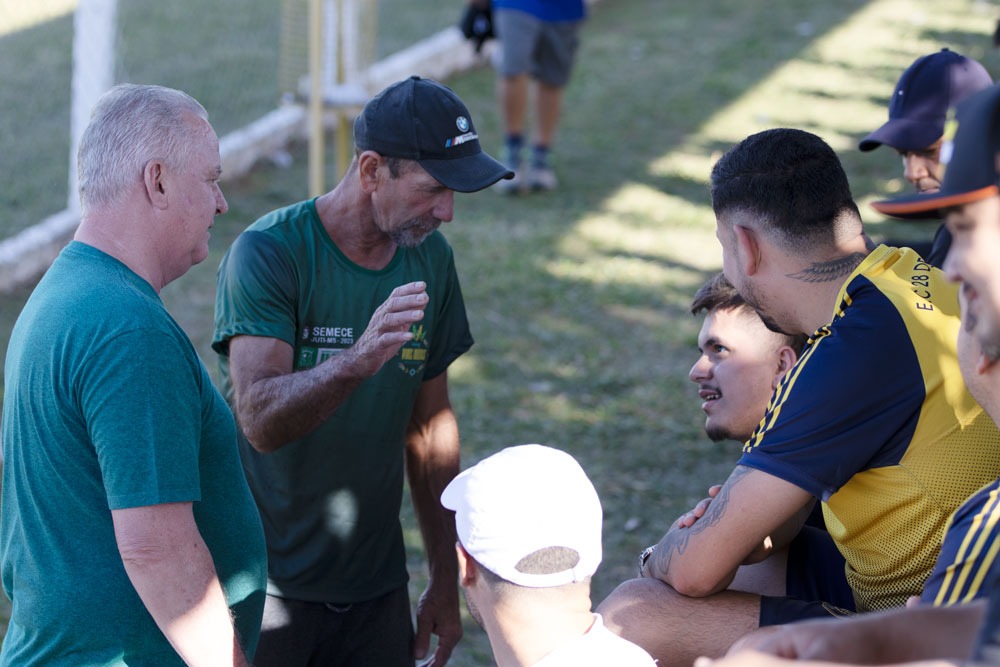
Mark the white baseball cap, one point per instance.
(523, 499)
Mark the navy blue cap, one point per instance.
(423, 120)
(927, 89)
(970, 156)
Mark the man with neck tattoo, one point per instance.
(874, 420)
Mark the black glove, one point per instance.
(477, 24)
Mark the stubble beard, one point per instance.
(473, 610)
(988, 338)
(412, 233)
(991, 350)
(719, 433)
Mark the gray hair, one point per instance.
(129, 126)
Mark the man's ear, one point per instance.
(468, 573)
(368, 164)
(786, 359)
(153, 178)
(747, 249)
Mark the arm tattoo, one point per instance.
(835, 269)
(676, 541)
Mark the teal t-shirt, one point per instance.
(107, 406)
(330, 501)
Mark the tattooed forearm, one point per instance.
(673, 542)
(677, 539)
(835, 269)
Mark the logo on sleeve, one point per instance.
(316, 344)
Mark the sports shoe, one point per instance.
(516, 185)
(542, 179)
(511, 186)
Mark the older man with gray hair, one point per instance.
(128, 534)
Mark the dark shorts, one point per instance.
(987, 647)
(543, 49)
(815, 583)
(376, 632)
(778, 611)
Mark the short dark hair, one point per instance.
(396, 165)
(719, 294)
(790, 178)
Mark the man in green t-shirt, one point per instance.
(128, 534)
(336, 320)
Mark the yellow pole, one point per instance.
(345, 140)
(316, 138)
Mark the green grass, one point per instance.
(578, 298)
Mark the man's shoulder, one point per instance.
(900, 295)
(288, 225)
(598, 646)
(906, 279)
(435, 242)
(279, 219)
(96, 290)
(280, 236)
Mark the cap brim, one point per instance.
(467, 174)
(453, 492)
(903, 134)
(931, 206)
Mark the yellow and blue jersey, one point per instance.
(875, 420)
(968, 567)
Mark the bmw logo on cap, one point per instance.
(463, 123)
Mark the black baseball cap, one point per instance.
(926, 90)
(423, 120)
(970, 156)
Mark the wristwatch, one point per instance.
(643, 557)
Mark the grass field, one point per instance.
(578, 298)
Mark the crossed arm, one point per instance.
(741, 525)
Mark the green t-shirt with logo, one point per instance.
(330, 501)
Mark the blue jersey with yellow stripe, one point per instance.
(876, 421)
(968, 567)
